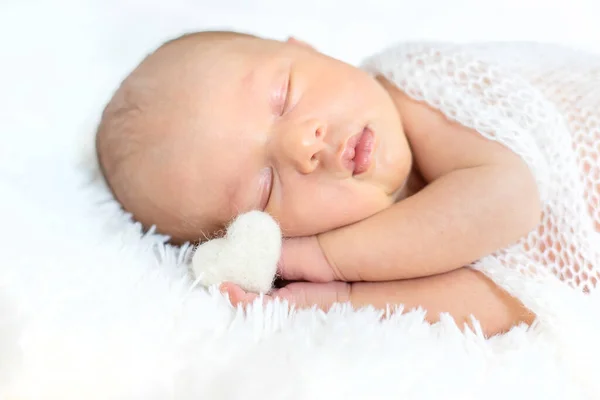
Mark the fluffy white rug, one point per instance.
(92, 309)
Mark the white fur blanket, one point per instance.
(92, 309)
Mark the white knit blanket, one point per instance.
(91, 309)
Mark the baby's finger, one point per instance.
(307, 294)
(237, 296)
(299, 294)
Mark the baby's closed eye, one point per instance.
(265, 187)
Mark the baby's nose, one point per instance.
(304, 145)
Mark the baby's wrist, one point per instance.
(325, 252)
(303, 259)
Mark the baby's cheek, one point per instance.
(313, 205)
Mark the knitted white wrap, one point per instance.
(543, 102)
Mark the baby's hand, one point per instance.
(302, 259)
(298, 294)
(463, 293)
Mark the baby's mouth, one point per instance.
(358, 152)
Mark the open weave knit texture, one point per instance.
(542, 102)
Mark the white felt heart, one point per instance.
(246, 256)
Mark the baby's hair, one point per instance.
(118, 136)
(125, 137)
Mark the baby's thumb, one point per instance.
(302, 260)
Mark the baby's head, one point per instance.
(214, 124)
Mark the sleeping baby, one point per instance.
(454, 178)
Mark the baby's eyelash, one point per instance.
(285, 95)
(268, 180)
(271, 183)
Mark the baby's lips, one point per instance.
(364, 151)
(350, 151)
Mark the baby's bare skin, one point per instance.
(265, 125)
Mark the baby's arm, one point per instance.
(480, 197)
(461, 293)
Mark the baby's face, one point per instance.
(251, 124)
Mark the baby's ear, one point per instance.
(299, 42)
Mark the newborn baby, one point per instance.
(383, 199)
